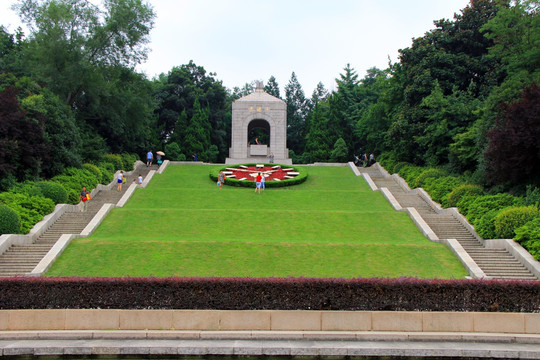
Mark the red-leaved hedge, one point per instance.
(403, 294)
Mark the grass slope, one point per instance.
(333, 225)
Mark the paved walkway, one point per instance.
(495, 263)
(334, 344)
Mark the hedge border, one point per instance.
(269, 184)
(402, 294)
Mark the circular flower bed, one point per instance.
(276, 175)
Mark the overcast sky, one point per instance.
(247, 40)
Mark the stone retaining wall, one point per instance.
(269, 320)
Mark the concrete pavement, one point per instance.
(269, 343)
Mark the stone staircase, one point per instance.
(22, 259)
(495, 263)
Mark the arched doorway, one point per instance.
(259, 129)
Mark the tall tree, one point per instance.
(22, 145)
(197, 139)
(71, 40)
(514, 150)
(272, 87)
(176, 93)
(454, 56)
(296, 115)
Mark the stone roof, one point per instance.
(259, 96)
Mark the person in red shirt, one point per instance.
(258, 182)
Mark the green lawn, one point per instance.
(332, 225)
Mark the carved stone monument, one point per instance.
(259, 110)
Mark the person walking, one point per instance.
(221, 179)
(258, 182)
(149, 158)
(84, 197)
(371, 159)
(140, 180)
(120, 180)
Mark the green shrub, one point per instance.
(107, 172)
(485, 226)
(398, 166)
(477, 206)
(30, 209)
(528, 236)
(409, 173)
(128, 161)
(532, 196)
(73, 196)
(116, 160)
(463, 190)
(428, 174)
(284, 183)
(173, 151)
(27, 187)
(387, 161)
(440, 188)
(10, 222)
(508, 220)
(73, 180)
(95, 170)
(52, 190)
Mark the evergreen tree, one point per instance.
(339, 152)
(272, 87)
(296, 115)
(197, 139)
(319, 94)
(318, 140)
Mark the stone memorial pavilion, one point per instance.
(259, 110)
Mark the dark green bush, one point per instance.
(439, 188)
(30, 209)
(10, 222)
(409, 173)
(73, 180)
(485, 227)
(387, 162)
(116, 160)
(95, 170)
(284, 183)
(532, 196)
(512, 218)
(428, 174)
(129, 161)
(463, 190)
(474, 207)
(52, 190)
(73, 196)
(107, 172)
(528, 236)
(398, 166)
(173, 151)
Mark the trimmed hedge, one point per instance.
(31, 209)
(429, 173)
(288, 182)
(116, 160)
(439, 188)
(54, 191)
(508, 220)
(404, 294)
(463, 190)
(529, 237)
(94, 170)
(10, 222)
